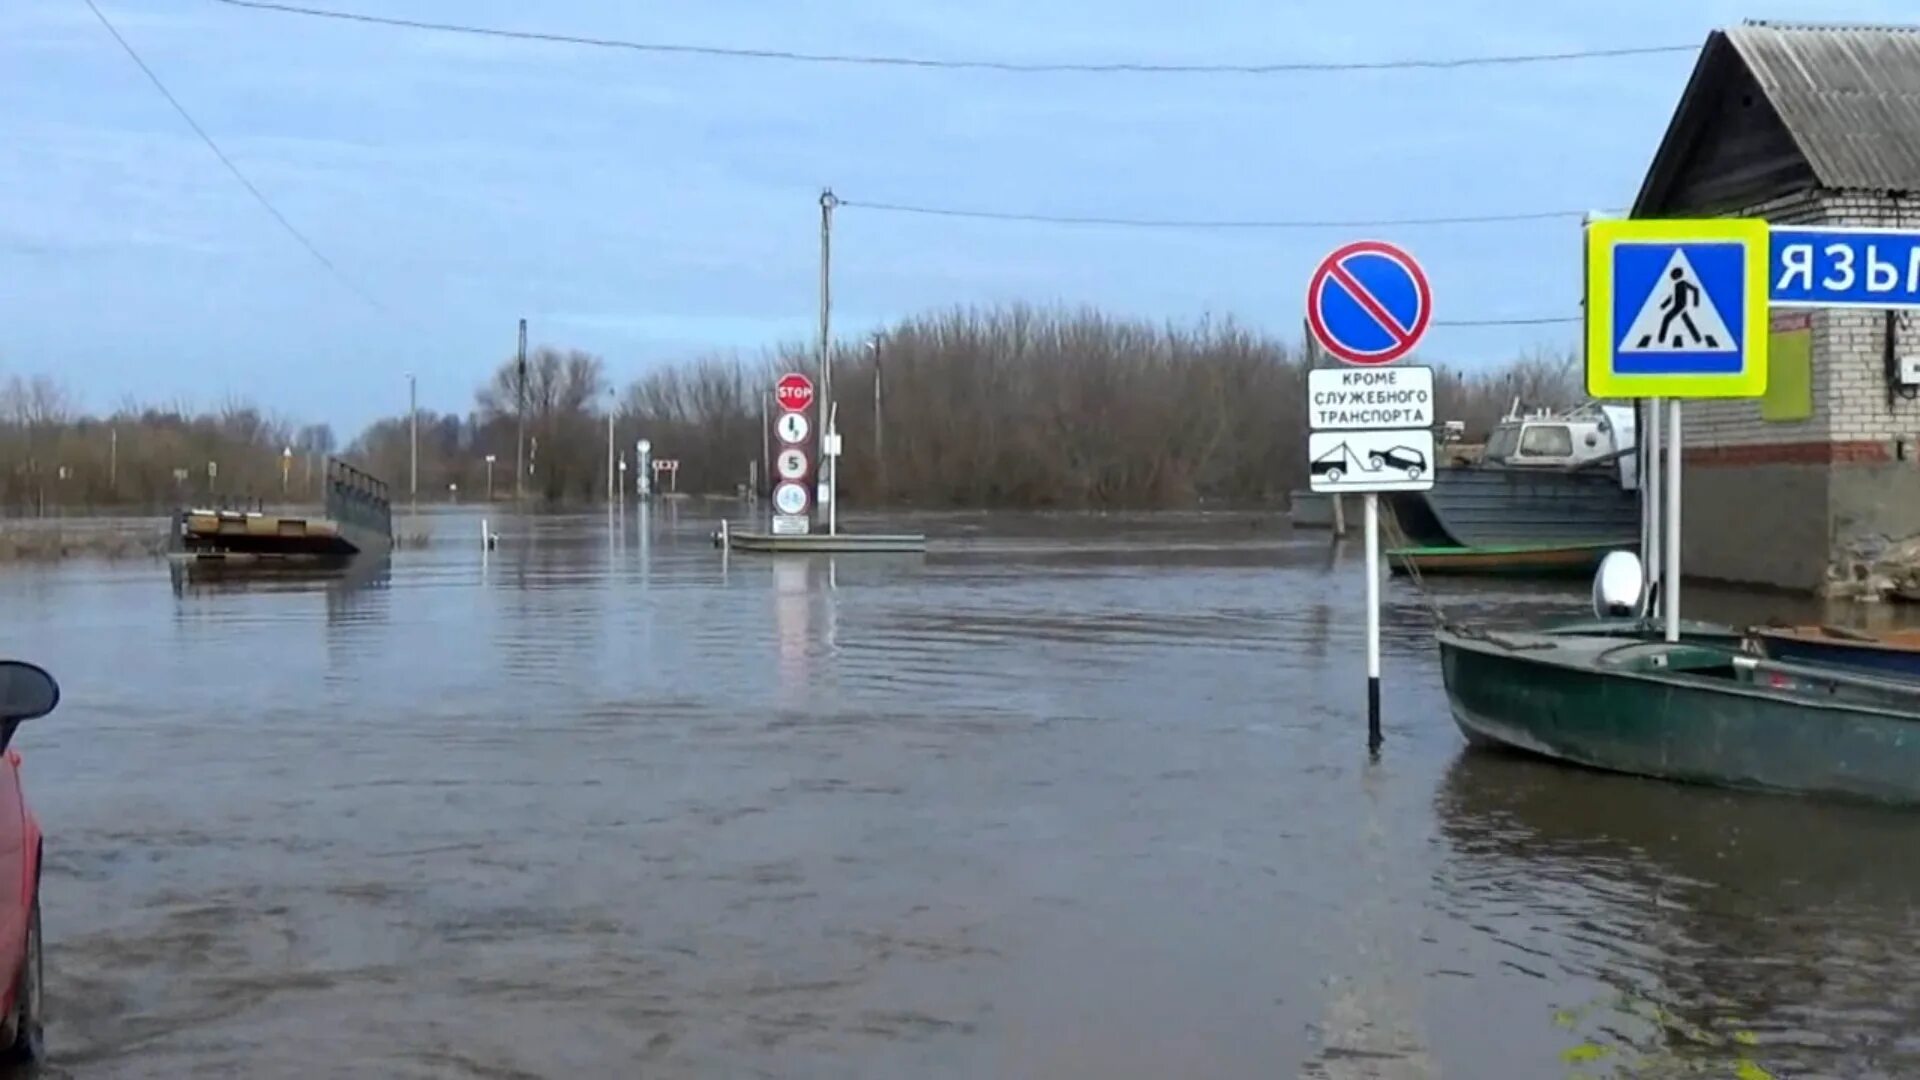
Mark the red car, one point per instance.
(26, 692)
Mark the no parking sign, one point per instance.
(1369, 302)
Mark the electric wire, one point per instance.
(252, 189)
(1105, 67)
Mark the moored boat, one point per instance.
(1694, 711)
(1518, 560)
(1894, 653)
(1545, 479)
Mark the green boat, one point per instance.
(1698, 710)
(1515, 560)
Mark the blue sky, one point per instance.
(651, 208)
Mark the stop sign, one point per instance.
(794, 392)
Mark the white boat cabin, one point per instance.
(1591, 434)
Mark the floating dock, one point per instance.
(358, 520)
(819, 543)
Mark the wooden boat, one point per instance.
(1689, 711)
(1894, 653)
(1526, 560)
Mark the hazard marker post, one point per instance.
(1676, 310)
(1370, 426)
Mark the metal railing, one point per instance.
(357, 498)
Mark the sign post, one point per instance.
(1677, 310)
(794, 394)
(1370, 426)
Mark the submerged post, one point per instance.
(520, 418)
(1373, 621)
(1670, 590)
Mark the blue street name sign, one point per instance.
(1844, 267)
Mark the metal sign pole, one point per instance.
(1652, 509)
(1373, 622)
(1671, 589)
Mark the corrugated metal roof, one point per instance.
(1849, 95)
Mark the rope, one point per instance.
(1392, 525)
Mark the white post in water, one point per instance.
(1373, 621)
(1670, 590)
(1651, 508)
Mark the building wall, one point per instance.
(1799, 503)
(1736, 421)
(1756, 524)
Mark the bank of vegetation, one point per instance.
(1011, 407)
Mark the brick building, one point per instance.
(1802, 124)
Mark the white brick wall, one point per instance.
(1737, 422)
(1851, 360)
(1849, 384)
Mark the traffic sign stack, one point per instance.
(791, 501)
(1370, 427)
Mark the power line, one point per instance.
(1543, 320)
(1204, 223)
(258, 195)
(1213, 223)
(1114, 67)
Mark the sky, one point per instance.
(654, 208)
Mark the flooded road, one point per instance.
(1066, 797)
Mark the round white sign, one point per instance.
(793, 427)
(791, 464)
(790, 498)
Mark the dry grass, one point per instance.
(121, 538)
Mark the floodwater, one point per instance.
(1066, 797)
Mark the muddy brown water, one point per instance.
(1066, 797)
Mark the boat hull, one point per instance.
(1485, 506)
(1886, 654)
(1568, 560)
(1555, 697)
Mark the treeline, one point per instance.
(54, 458)
(1016, 407)
(1008, 407)
(1042, 408)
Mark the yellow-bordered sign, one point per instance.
(1677, 308)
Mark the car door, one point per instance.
(16, 885)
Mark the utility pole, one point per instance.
(766, 449)
(413, 444)
(610, 402)
(520, 419)
(879, 431)
(827, 203)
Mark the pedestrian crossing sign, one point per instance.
(1677, 308)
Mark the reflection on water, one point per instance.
(1066, 796)
(1719, 920)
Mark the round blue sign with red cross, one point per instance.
(1369, 303)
